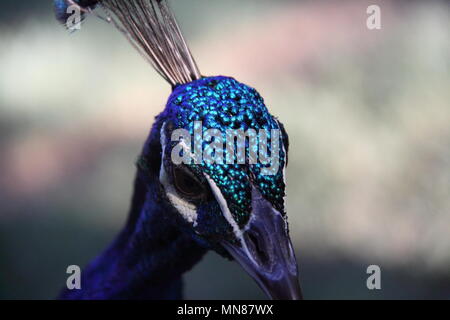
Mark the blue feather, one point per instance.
(61, 6)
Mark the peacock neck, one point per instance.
(147, 259)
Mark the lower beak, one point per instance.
(265, 251)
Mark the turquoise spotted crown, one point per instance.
(223, 103)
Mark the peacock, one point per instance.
(180, 209)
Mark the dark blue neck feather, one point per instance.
(149, 256)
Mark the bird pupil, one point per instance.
(186, 184)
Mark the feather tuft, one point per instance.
(152, 29)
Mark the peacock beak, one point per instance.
(266, 252)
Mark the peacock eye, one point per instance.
(186, 184)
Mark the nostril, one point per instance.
(256, 246)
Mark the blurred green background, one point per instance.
(368, 113)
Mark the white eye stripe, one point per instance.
(224, 207)
(284, 178)
(185, 208)
(285, 188)
(229, 217)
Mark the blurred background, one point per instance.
(367, 111)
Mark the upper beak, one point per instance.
(266, 252)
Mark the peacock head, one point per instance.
(222, 160)
(222, 170)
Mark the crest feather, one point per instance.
(152, 29)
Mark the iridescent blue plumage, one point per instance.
(223, 103)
